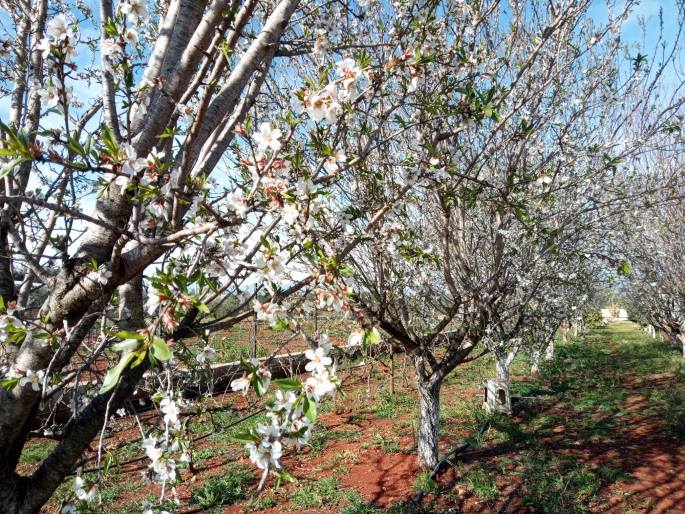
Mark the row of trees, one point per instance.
(447, 172)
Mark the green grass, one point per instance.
(583, 394)
(386, 405)
(328, 492)
(320, 436)
(225, 489)
(424, 483)
(36, 452)
(483, 485)
(582, 399)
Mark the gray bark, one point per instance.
(131, 315)
(549, 352)
(535, 361)
(71, 293)
(429, 423)
(503, 363)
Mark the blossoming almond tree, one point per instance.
(521, 175)
(203, 146)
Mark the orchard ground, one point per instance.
(601, 431)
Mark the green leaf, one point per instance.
(127, 334)
(202, 307)
(108, 139)
(18, 144)
(109, 460)
(126, 345)
(9, 383)
(623, 269)
(180, 284)
(346, 271)
(160, 350)
(288, 384)
(374, 337)
(245, 365)
(112, 376)
(7, 168)
(309, 409)
(245, 437)
(285, 476)
(258, 385)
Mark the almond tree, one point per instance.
(527, 158)
(206, 154)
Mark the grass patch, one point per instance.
(483, 485)
(322, 492)
(425, 483)
(36, 452)
(225, 489)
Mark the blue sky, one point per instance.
(649, 9)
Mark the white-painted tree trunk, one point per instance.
(503, 363)
(502, 369)
(549, 352)
(535, 361)
(429, 425)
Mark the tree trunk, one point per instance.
(564, 332)
(131, 304)
(429, 423)
(503, 363)
(502, 368)
(673, 339)
(535, 361)
(8, 291)
(549, 352)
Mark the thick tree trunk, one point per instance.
(535, 361)
(503, 363)
(564, 332)
(429, 423)
(549, 352)
(502, 368)
(131, 304)
(673, 339)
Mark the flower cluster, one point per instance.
(257, 375)
(293, 410)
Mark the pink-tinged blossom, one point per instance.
(135, 9)
(58, 27)
(241, 384)
(207, 354)
(356, 337)
(317, 360)
(268, 137)
(186, 113)
(237, 202)
(35, 378)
